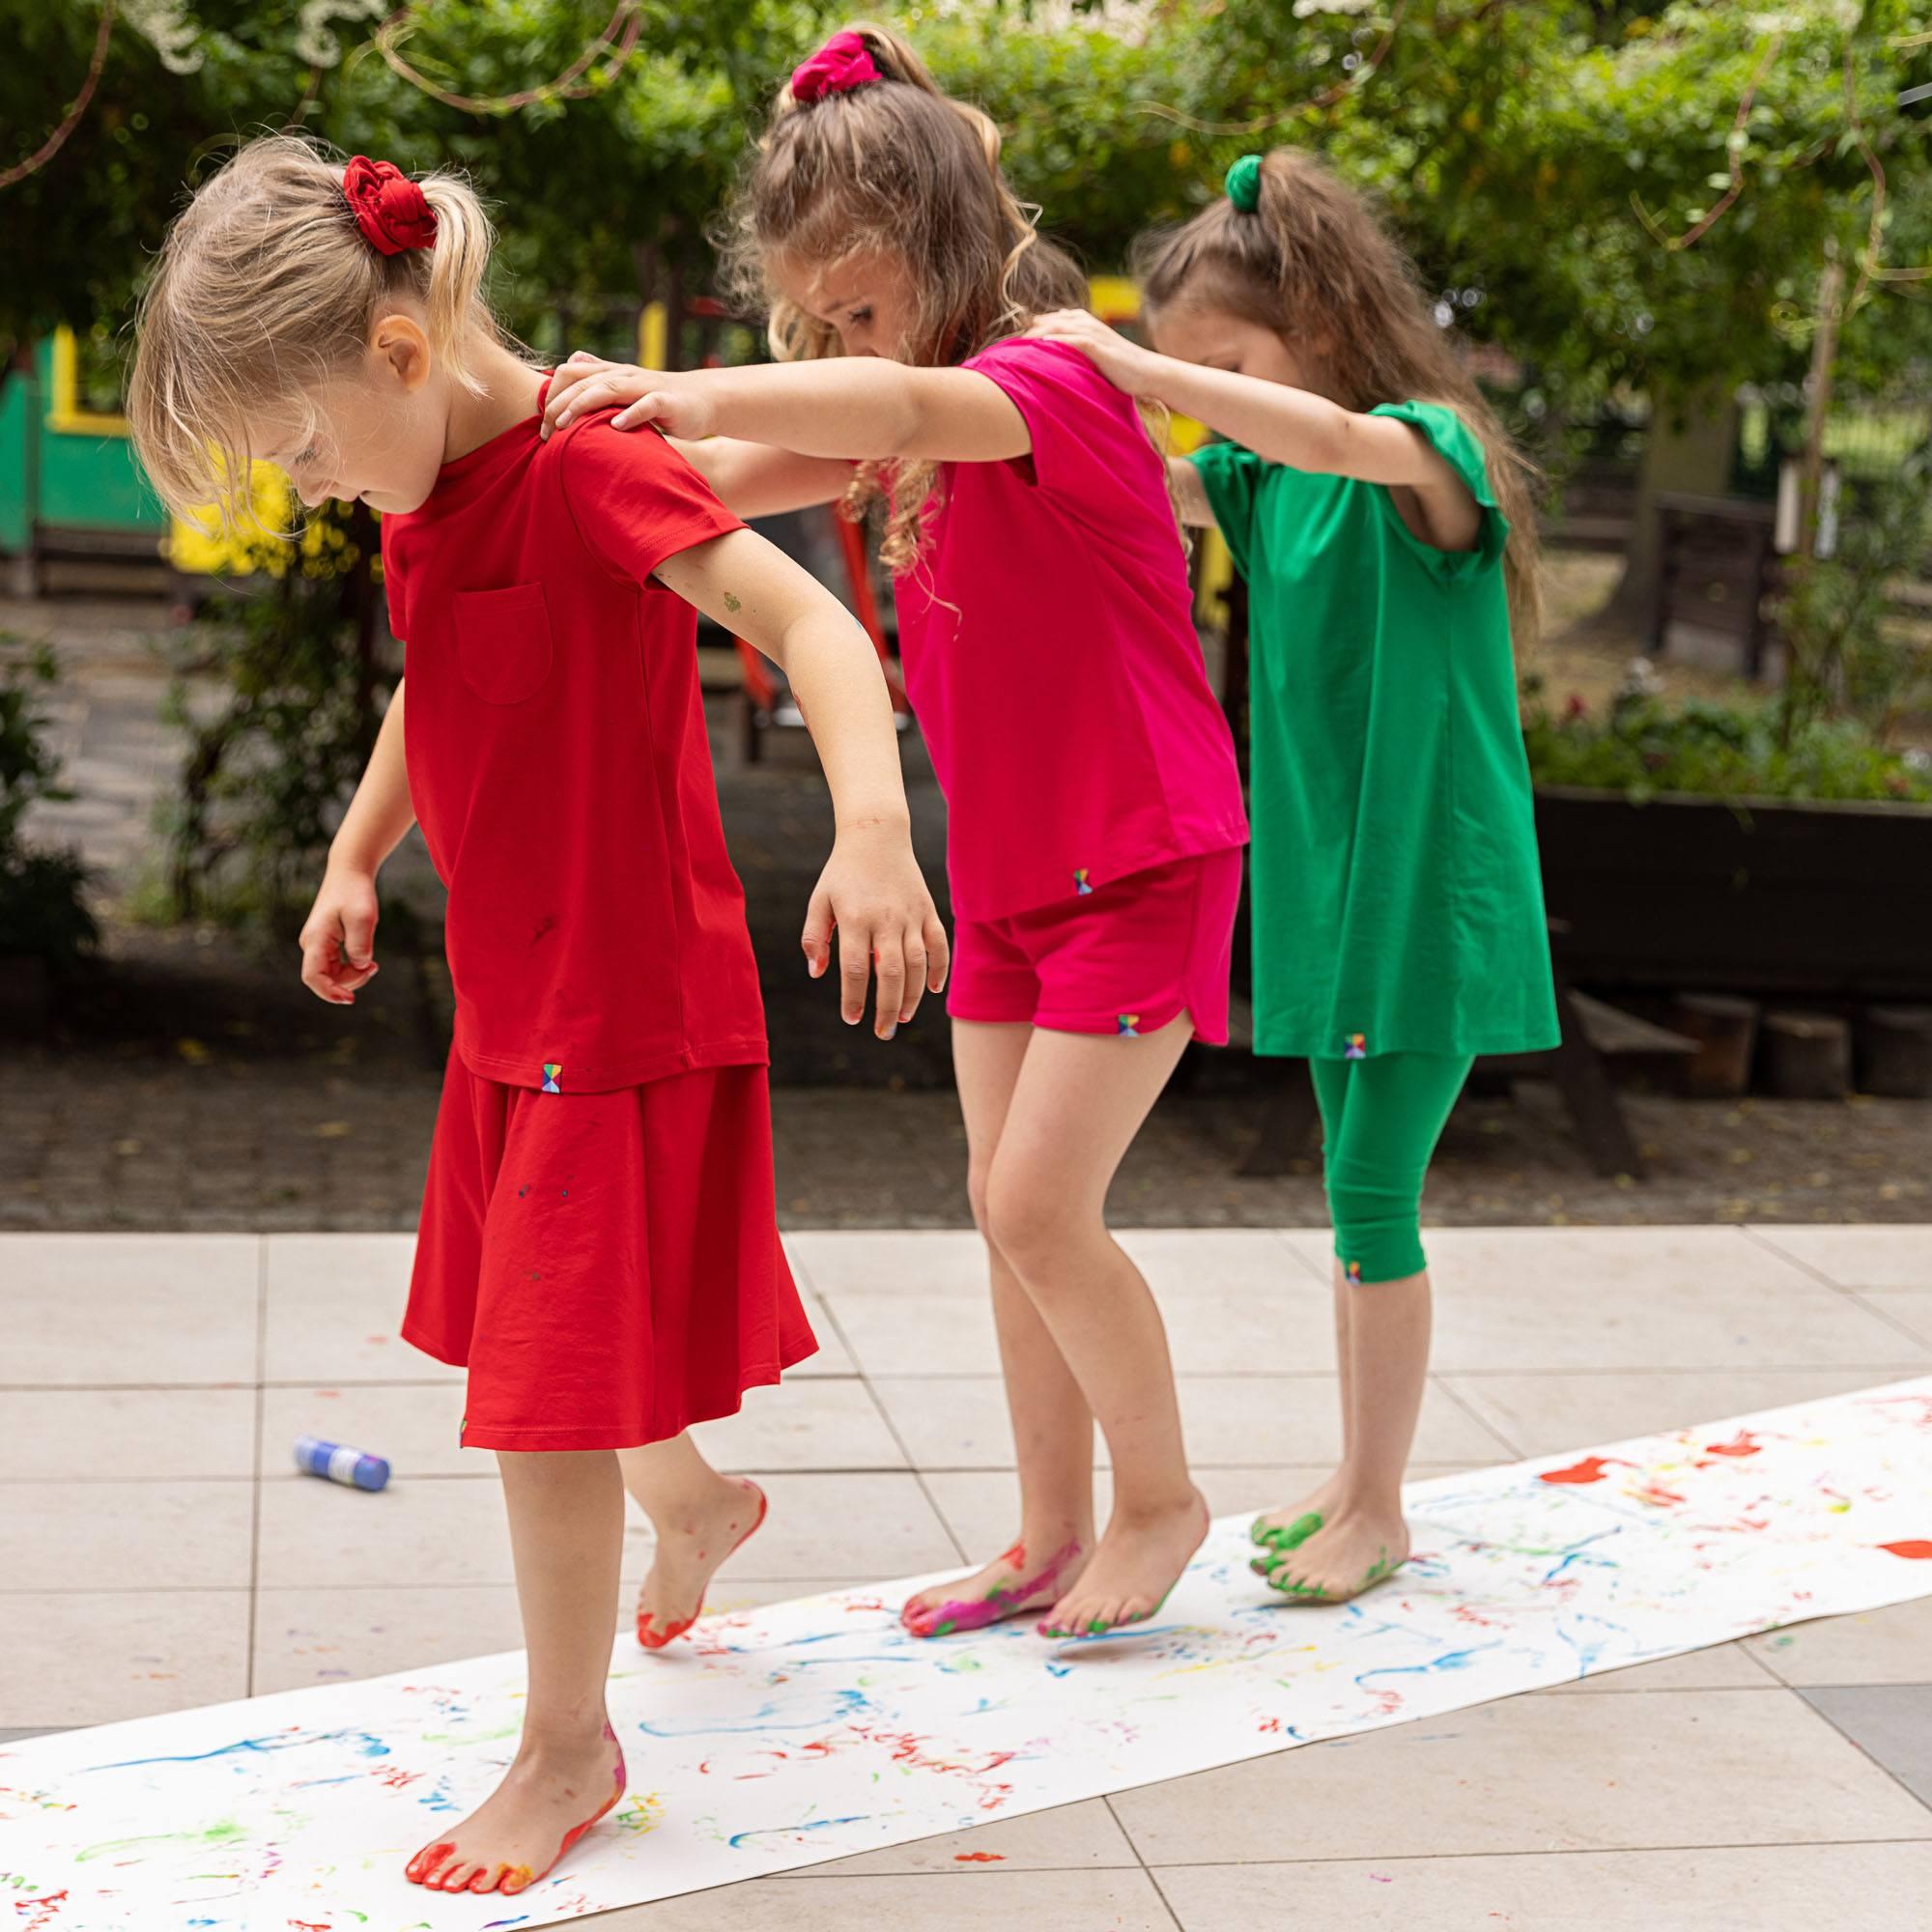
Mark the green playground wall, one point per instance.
(87, 475)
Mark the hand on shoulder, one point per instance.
(1125, 364)
(674, 401)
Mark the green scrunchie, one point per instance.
(1244, 183)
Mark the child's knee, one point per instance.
(1378, 1226)
(1031, 1225)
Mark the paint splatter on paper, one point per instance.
(809, 1730)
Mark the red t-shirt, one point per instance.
(1050, 653)
(558, 763)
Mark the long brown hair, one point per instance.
(1312, 260)
(264, 289)
(896, 165)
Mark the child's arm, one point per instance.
(854, 406)
(1288, 425)
(338, 938)
(753, 479)
(871, 889)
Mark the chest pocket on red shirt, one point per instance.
(502, 642)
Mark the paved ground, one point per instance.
(162, 1553)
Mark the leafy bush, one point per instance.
(1644, 746)
(266, 777)
(43, 915)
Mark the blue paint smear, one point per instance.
(522, 1919)
(1450, 1660)
(737, 1841)
(372, 1746)
(845, 1705)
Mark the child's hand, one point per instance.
(673, 401)
(1124, 364)
(872, 893)
(338, 938)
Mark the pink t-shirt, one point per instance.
(1050, 655)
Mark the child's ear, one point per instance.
(399, 346)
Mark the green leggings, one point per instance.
(1380, 1120)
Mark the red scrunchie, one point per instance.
(841, 64)
(391, 212)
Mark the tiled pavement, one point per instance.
(162, 1551)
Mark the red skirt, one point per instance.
(606, 1265)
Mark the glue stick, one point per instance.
(340, 1464)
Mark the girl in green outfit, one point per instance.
(1385, 528)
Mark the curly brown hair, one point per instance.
(1313, 260)
(895, 165)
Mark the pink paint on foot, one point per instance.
(959, 1614)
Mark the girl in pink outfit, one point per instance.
(1096, 821)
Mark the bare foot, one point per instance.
(1353, 1549)
(689, 1554)
(1008, 1586)
(1139, 1561)
(1289, 1528)
(548, 1797)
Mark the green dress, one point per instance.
(1398, 904)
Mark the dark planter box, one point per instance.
(1763, 896)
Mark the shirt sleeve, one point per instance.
(1453, 440)
(1232, 477)
(1076, 420)
(635, 500)
(392, 581)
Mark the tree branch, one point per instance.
(55, 141)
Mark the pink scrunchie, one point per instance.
(841, 65)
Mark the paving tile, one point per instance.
(1723, 1666)
(1551, 1414)
(1891, 1723)
(413, 1425)
(335, 1304)
(325, 1636)
(1239, 1421)
(1231, 1260)
(1888, 1646)
(1768, 1889)
(1858, 1257)
(144, 1309)
(318, 1535)
(1539, 1774)
(820, 1422)
(1530, 1298)
(1068, 1837)
(1908, 1308)
(986, 1901)
(890, 1261)
(1210, 1331)
(142, 1537)
(88, 1657)
(126, 1434)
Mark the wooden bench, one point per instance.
(1717, 569)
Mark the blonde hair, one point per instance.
(899, 166)
(1313, 260)
(266, 287)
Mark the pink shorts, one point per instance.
(1127, 957)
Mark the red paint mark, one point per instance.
(978, 1858)
(396, 1777)
(1657, 1493)
(308, 1925)
(1743, 1443)
(1589, 1470)
(1914, 1548)
(44, 1909)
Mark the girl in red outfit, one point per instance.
(598, 1241)
(1095, 810)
